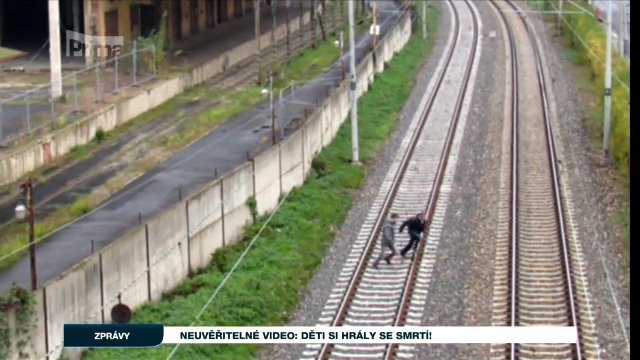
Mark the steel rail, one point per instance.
(555, 181)
(371, 241)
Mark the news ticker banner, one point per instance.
(151, 335)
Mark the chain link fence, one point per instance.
(34, 111)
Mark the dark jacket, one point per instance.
(414, 224)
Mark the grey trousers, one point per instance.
(386, 245)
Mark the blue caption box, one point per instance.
(113, 335)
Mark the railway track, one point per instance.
(534, 265)
(363, 295)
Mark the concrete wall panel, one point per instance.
(291, 162)
(312, 138)
(124, 265)
(164, 91)
(133, 107)
(329, 111)
(168, 258)
(74, 297)
(237, 187)
(267, 179)
(205, 225)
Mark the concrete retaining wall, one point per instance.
(29, 157)
(237, 187)
(156, 256)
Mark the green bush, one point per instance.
(593, 34)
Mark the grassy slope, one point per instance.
(268, 285)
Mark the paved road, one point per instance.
(224, 149)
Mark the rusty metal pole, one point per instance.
(288, 8)
(272, 111)
(27, 189)
(256, 17)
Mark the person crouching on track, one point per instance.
(416, 227)
(388, 240)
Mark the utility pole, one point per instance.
(25, 210)
(312, 22)
(375, 27)
(273, 112)
(341, 46)
(559, 22)
(256, 17)
(424, 19)
(274, 39)
(607, 92)
(288, 7)
(54, 49)
(301, 23)
(354, 100)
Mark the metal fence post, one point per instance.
(115, 90)
(281, 115)
(28, 114)
(75, 92)
(153, 49)
(97, 83)
(288, 5)
(301, 25)
(135, 59)
(1, 135)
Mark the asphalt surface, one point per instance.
(222, 150)
(13, 119)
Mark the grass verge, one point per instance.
(304, 67)
(269, 283)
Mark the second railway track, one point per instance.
(535, 264)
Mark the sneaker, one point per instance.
(375, 265)
(388, 261)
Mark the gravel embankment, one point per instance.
(462, 282)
